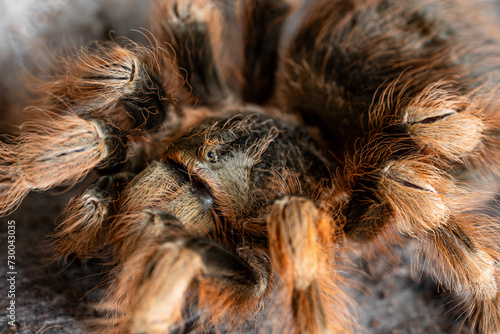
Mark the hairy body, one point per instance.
(238, 157)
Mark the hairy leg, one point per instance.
(300, 241)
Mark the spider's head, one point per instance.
(220, 161)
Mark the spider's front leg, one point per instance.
(300, 237)
(167, 274)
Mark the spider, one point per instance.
(253, 141)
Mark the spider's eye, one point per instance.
(212, 156)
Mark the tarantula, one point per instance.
(252, 141)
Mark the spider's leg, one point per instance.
(159, 187)
(464, 254)
(133, 86)
(196, 30)
(83, 222)
(401, 180)
(228, 48)
(54, 151)
(299, 240)
(263, 22)
(83, 225)
(162, 270)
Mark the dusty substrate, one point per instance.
(51, 298)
